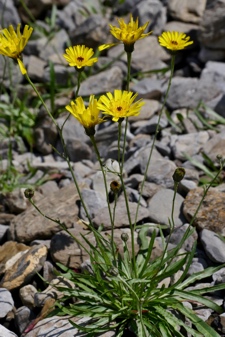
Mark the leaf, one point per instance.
(202, 327)
(193, 297)
(199, 276)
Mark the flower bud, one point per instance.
(115, 186)
(124, 237)
(29, 193)
(179, 174)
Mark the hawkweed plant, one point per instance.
(124, 289)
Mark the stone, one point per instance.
(6, 302)
(211, 29)
(27, 293)
(31, 225)
(148, 110)
(36, 68)
(66, 250)
(25, 268)
(60, 326)
(178, 234)
(45, 135)
(9, 10)
(121, 218)
(93, 201)
(55, 46)
(6, 333)
(152, 11)
(8, 250)
(149, 127)
(215, 146)
(187, 10)
(188, 92)
(92, 31)
(15, 201)
(215, 73)
(190, 144)
(148, 88)
(22, 317)
(211, 214)
(52, 290)
(213, 245)
(148, 54)
(103, 82)
(160, 208)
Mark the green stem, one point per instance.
(155, 135)
(92, 138)
(78, 82)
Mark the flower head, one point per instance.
(120, 105)
(128, 33)
(87, 116)
(174, 40)
(12, 43)
(80, 56)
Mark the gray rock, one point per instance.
(153, 11)
(60, 326)
(213, 245)
(149, 127)
(103, 82)
(45, 135)
(27, 293)
(31, 225)
(190, 144)
(6, 333)
(94, 201)
(78, 150)
(211, 32)
(11, 16)
(3, 232)
(121, 217)
(215, 146)
(67, 250)
(197, 266)
(36, 68)
(93, 31)
(188, 92)
(178, 235)
(160, 207)
(148, 88)
(22, 318)
(15, 201)
(56, 45)
(186, 10)
(69, 17)
(6, 302)
(215, 73)
(148, 54)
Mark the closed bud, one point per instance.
(124, 237)
(29, 193)
(179, 174)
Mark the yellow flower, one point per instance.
(88, 117)
(128, 34)
(80, 56)
(120, 105)
(12, 43)
(174, 40)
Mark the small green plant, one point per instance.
(17, 120)
(126, 290)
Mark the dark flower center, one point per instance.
(119, 108)
(80, 58)
(174, 42)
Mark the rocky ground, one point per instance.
(31, 243)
